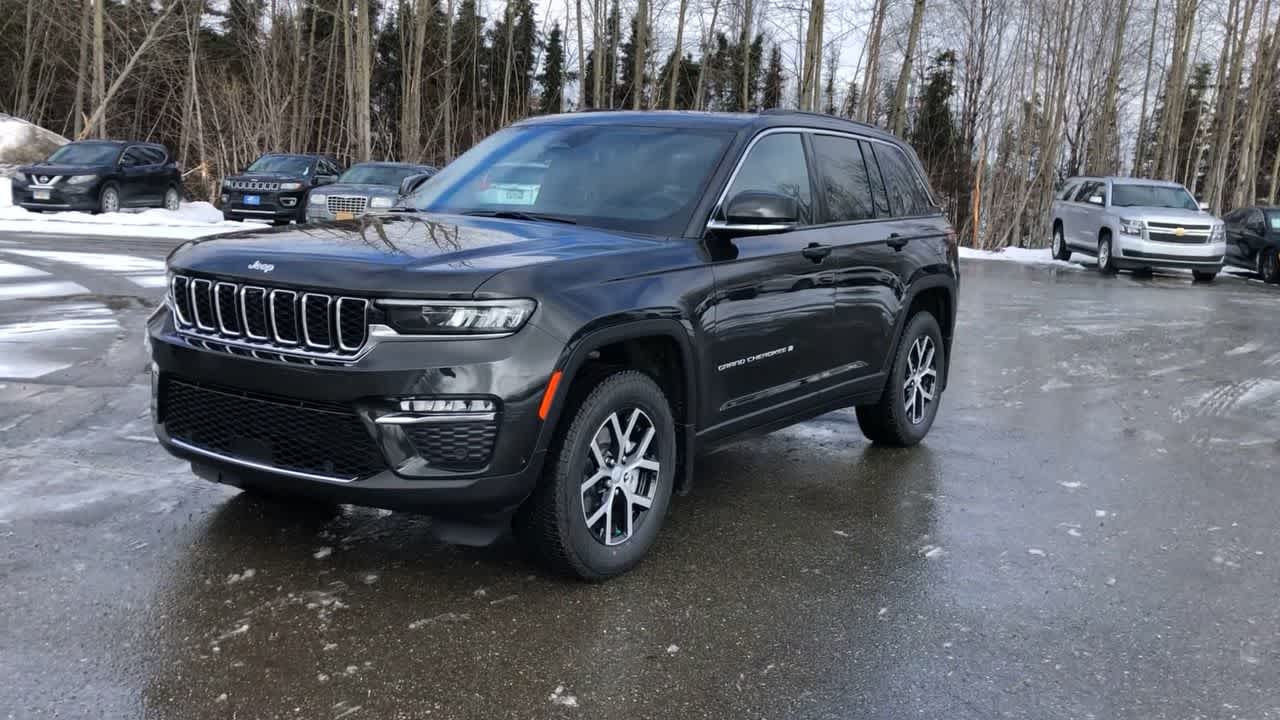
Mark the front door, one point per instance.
(772, 315)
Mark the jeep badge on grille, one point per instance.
(259, 265)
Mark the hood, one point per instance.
(268, 177)
(366, 190)
(1165, 215)
(397, 255)
(54, 170)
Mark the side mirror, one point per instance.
(1204, 206)
(412, 183)
(1095, 199)
(755, 211)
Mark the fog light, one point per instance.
(288, 202)
(447, 406)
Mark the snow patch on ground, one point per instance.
(47, 289)
(141, 271)
(1025, 256)
(10, 271)
(192, 220)
(24, 345)
(1245, 349)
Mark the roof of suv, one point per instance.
(699, 119)
(1118, 180)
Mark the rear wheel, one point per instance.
(1060, 249)
(1204, 275)
(1106, 263)
(909, 403)
(1269, 266)
(605, 491)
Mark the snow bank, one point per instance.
(22, 143)
(1026, 256)
(192, 220)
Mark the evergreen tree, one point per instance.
(934, 135)
(552, 77)
(687, 89)
(851, 96)
(627, 64)
(771, 96)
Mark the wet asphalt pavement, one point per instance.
(1090, 531)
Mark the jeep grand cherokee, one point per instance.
(555, 364)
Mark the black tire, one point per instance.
(176, 193)
(887, 422)
(1060, 249)
(1106, 262)
(1269, 266)
(553, 522)
(105, 202)
(1204, 276)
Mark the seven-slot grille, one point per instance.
(260, 185)
(274, 319)
(347, 204)
(1168, 232)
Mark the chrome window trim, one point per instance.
(244, 311)
(192, 284)
(217, 308)
(328, 313)
(275, 330)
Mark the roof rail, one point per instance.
(785, 111)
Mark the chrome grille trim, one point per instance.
(306, 324)
(215, 315)
(354, 204)
(244, 312)
(259, 185)
(275, 329)
(194, 286)
(217, 308)
(364, 322)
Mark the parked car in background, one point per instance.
(366, 188)
(1253, 241)
(512, 183)
(274, 187)
(681, 280)
(100, 176)
(1137, 224)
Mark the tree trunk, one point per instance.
(811, 69)
(675, 62)
(745, 42)
(1175, 87)
(95, 119)
(898, 113)
(448, 85)
(870, 91)
(1225, 117)
(640, 51)
(1140, 150)
(706, 52)
(82, 66)
(98, 97)
(582, 60)
(1103, 158)
(364, 78)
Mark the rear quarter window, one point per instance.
(908, 194)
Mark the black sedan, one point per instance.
(100, 176)
(1253, 241)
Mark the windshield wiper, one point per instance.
(520, 215)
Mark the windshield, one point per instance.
(378, 175)
(85, 154)
(283, 164)
(1161, 196)
(636, 179)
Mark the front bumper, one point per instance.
(1132, 251)
(404, 474)
(321, 213)
(270, 206)
(61, 197)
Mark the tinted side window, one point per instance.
(132, 157)
(877, 180)
(907, 195)
(842, 174)
(151, 155)
(1256, 223)
(1068, 192)
(776, 164)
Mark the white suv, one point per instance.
(1137, 225)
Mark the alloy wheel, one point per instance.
(621, 476)
(1057, 243)
(1104, 255)
(110, 200)
(171, 200)
(920, 386)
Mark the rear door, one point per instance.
(157, 172)
(135, 186)
(867, 252)
(1234, 222)
(1085, 217)
(771, 328)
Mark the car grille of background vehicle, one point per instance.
(315, 438)
(257, 185)
(1168, 232)
(269, 323)
(347, 204)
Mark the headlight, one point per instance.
(1132, 227)
(1218, 234)
(480, 317)
(319, 199)
(226, 184)
(290, 186)
(81, 179)
(380, 202)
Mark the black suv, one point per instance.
(274, 187)
(556, 358)
(100, 176)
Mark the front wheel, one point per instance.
(109, 199)
(909, 403)
(602, 498)
(1106, 263)
(172, 200)
(1060, 249)
(1204, 275)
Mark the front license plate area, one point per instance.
(40, 194)
(252, 199)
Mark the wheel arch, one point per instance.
(937, 294)
(659, 347)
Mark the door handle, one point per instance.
(816, 252)
(896, 241)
